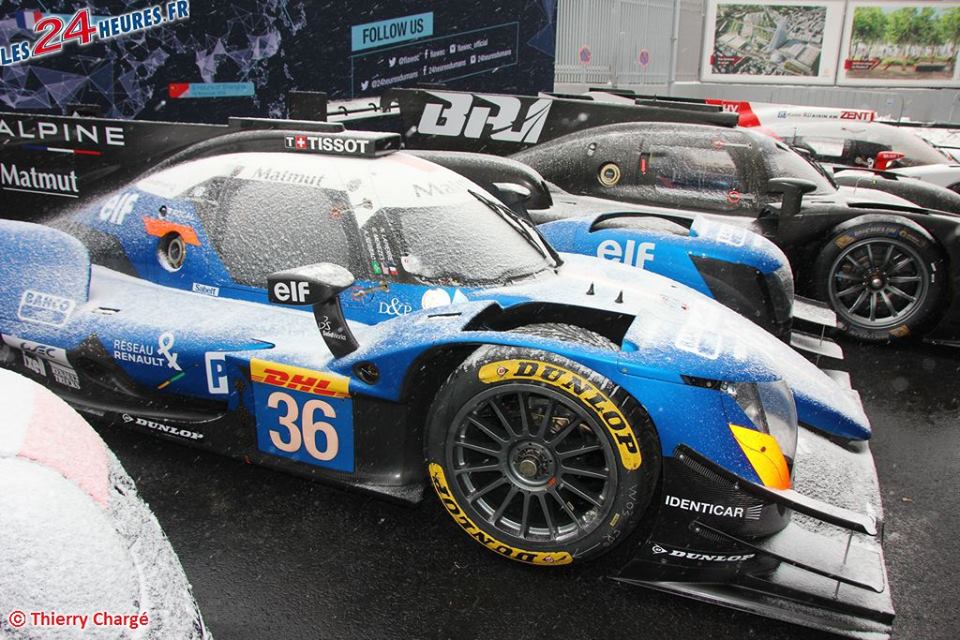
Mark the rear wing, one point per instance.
(49, 163)
(504, 124)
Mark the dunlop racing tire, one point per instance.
(539, 458)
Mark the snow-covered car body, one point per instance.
(76, 537)
(162, 301)
(730, 264)
(612, 151)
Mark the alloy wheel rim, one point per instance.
(533, 464)
(878, 283)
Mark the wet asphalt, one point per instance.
(275, 556)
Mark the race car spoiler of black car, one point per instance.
(796, 575)
(502, 124)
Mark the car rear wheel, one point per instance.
(539, 458)
(882, 286)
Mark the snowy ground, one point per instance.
(270, 555)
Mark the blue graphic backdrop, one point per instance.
(346, 49)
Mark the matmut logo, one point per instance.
(14, 178)
(299, 379)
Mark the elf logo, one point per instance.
(291, 291)
(504, 118)
(630, 253)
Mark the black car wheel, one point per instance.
(882, 286)
(539, 458)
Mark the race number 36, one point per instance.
(303, 427)
(302, 434)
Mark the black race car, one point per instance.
(887, 268)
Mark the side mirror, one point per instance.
(792, 190)
(318, 285)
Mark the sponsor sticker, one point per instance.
(610, 415)
(709, 508)
(161, 427)
(34, 364)
(206, 289)
(439, 482)
(702, 557)
(297, 378)
(66, 376)
(292, 422)
(45, 308)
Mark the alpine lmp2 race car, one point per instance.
(886, 268)
(306, 298)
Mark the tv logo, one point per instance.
(504, 115)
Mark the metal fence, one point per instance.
(618, 42)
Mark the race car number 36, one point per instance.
(303, 415)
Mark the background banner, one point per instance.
(791, 41)
(242, 57)
(901, 44)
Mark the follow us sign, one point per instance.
(384, 32)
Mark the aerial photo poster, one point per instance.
(792, 41)
(901, 44)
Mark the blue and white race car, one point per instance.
(308, 299)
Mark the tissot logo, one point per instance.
(484, 116)
(330, 144)
(14, 178)
(80, 133)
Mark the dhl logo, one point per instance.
(299, 379)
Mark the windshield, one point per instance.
(784, 163)
(462, 244)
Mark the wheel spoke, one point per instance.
(586, 473)
(545, 508)
(856, 264)
(870, 260)
(886, 301)
(565, 507)
(501, 417)
(595, 501)
(478, 448)
(901, 265)
(480, 468)
(579, 452)
(547, 417)
(900, 292)
(503, 505)
(873, 307)
(525, 518)
(476, 495)
(567, 430)
(524, 416)
(487, 430)
(886, 258)
(843, 275)
(859, 301)
(857, 287)
(903, 279)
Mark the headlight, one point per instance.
(771, 408)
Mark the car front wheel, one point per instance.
(882, 286)
(539, 458)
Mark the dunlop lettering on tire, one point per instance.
(578, 386)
